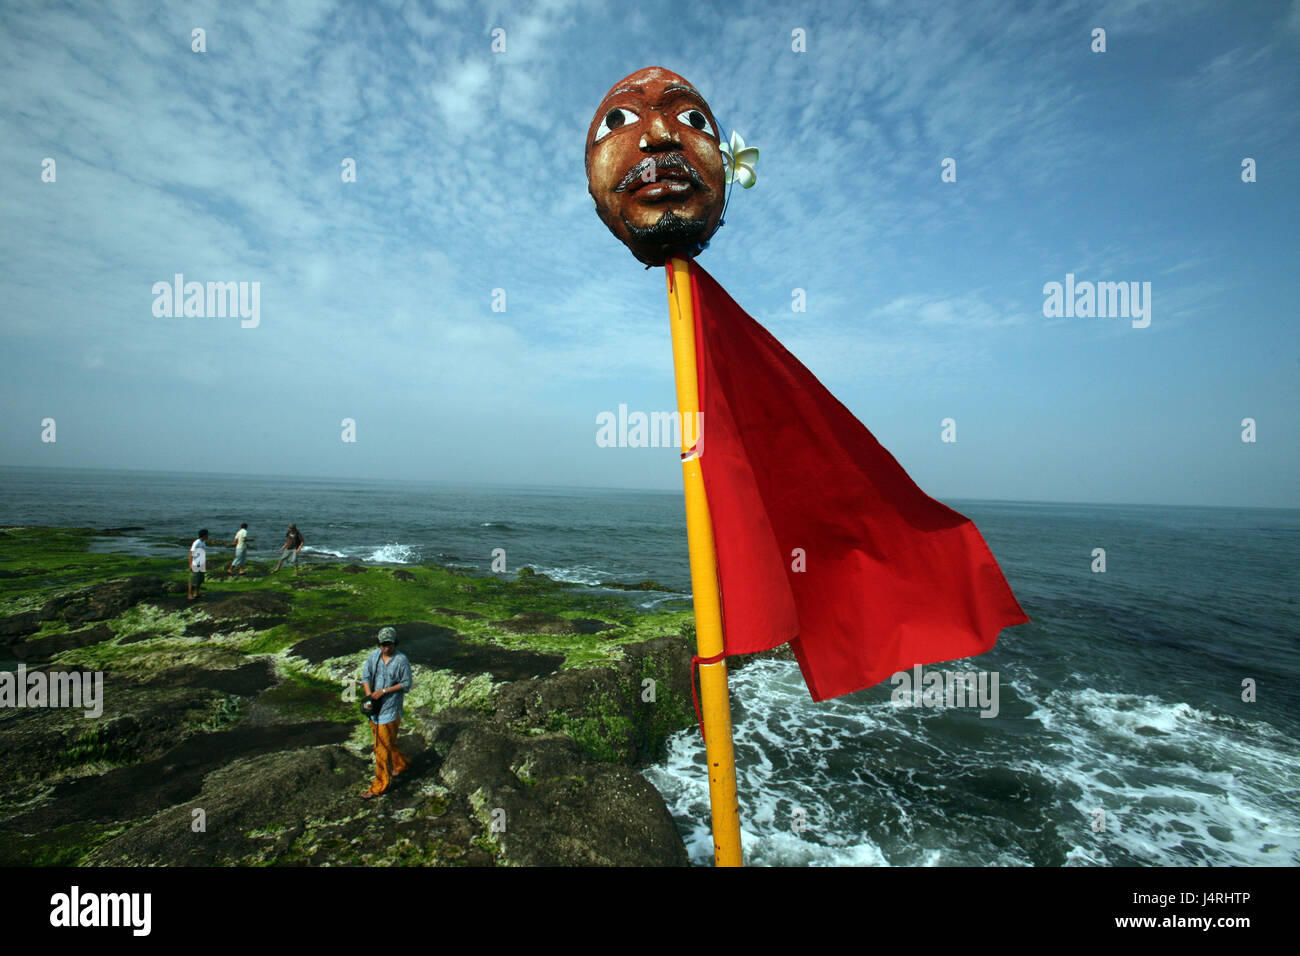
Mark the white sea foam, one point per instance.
(661, 598)
(395, 554)
(580, 574)
(594, 577)
(786, 821)
(1179, 785)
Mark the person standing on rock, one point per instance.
(198, 564)
(241, 549)
(387, 676)
(292, 545)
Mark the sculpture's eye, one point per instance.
(695, 119)
(616, 118)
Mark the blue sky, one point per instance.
(924, 298)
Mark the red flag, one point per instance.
(890, 577)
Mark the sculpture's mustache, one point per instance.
(666, 161)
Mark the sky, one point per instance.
(463, 306)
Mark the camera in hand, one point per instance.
(371, 707)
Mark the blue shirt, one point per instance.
(380, 675)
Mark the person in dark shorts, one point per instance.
(198, 564)
(292, 545)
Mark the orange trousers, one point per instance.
(389, 759)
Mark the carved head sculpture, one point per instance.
(654, 168)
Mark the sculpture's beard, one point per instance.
(669, 231)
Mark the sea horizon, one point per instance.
(457, 483)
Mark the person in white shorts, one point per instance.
(198, 564)
(241, 550)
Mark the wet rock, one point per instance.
(297, 701)
(435, 646)
(139, 722)
(142, 789)
(400, 575)
(248, 610)
(326, 822)
(537, 581)
(18, 625)
(611, 711)
(467, 615)
(538, 622)
(244, 681)
(249, 604)
(647, 585)
(46, 648)
(559, 806)
(247, 795)
(103, 601)
(352, 568)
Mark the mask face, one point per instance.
(653, 165)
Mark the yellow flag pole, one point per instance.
(715, 703)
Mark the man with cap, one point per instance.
(387, 676)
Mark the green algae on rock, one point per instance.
(532, 698)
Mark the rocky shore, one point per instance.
(229, 735)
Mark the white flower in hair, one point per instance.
(739, 160)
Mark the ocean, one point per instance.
(1149, 715)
